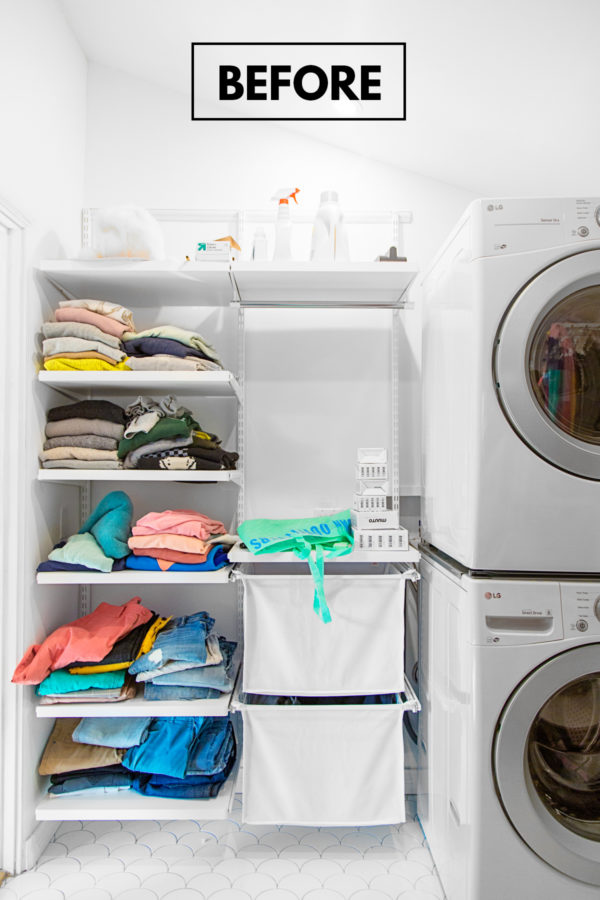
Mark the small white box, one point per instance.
(379, 502)
(213, 251)
(369, 519)
(366, 471)
(373, 486)
(372, 455)
(383, 539)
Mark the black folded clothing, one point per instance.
(88, 409)
(151, 346)
(197, 457)
(84, 779)
(124, 651)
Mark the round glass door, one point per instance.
(546, 761)
(563, 756)
(564, 364)
(547, 364)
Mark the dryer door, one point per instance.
(546, 761)
(547, 364)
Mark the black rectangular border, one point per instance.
(299, 44)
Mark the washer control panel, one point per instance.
(580, 608)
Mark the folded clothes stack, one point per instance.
(114, 754)
(171, 348)
(178, 540)
(100, 545)
(83, 435)
(187, 662)
(86, 336)
(164, 435)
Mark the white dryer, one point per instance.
(509, 793)
(511, 388)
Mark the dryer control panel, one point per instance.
(516, 226)
(581, 608)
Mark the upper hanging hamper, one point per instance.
(288, 650)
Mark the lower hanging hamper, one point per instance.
(324, 764)
(288, 650)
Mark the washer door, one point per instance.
(546, 761)
(547, 364)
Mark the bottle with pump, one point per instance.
(283, 225)
(329, 239)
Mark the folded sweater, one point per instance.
(82, 354)
(88, 409)
(80, 330)
(56, 346)
(171, 363)
(166, 427)
(166, 540)
(87, 453)
(94, 441)
(172, 332)
(178, 521)
(151, 346)
(79, 425)
(88, 364)
(104, 308)
(104, 323)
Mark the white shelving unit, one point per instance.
(135, 576)
(197, 384)
(128, 804)
(412, 555)
(126, 281)
(323, 284)
(232, 476)
(370, 285)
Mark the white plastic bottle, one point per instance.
(283, 225)
(329, 239)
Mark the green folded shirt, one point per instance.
(166, 427)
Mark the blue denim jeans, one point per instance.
(212, 748)
(218, 677)
(113, 732)
(192, 787)
(104, 776)
(183, 638)
(166, 748)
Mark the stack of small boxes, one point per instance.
(375, 523)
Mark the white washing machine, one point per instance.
(509, 742)
(511, 375)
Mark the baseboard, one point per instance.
(37, 842)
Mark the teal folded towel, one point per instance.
(83, 550)
(63, 682)
(110, 524)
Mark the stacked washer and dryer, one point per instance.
(509, 793)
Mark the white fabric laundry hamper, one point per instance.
(288, 650)
(323, 765)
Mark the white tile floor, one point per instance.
(228, 860)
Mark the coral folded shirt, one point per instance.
(171, 556)
(178, 521)
(89, 638)
(168, 541)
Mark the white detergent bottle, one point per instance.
(329, 239)
(283, 225)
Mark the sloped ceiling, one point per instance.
(502, 97)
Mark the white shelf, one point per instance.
(323, 284)
(146, 283)
(238, 555)
(136, 707)
(79, 476)
(128, 804)
(201, 384)
(135, 576)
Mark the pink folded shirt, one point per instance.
(104, 323)
(178, 521)
(168, 541)
(89, 639)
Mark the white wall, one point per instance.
(143, 149)
(42, 109)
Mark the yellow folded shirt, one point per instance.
(62, 364)
(147, 643)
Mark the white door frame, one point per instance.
(13, 297)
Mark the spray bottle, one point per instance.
(329, 239)
(283, 225)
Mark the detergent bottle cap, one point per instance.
(283, 195)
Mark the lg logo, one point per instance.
(490, 596)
